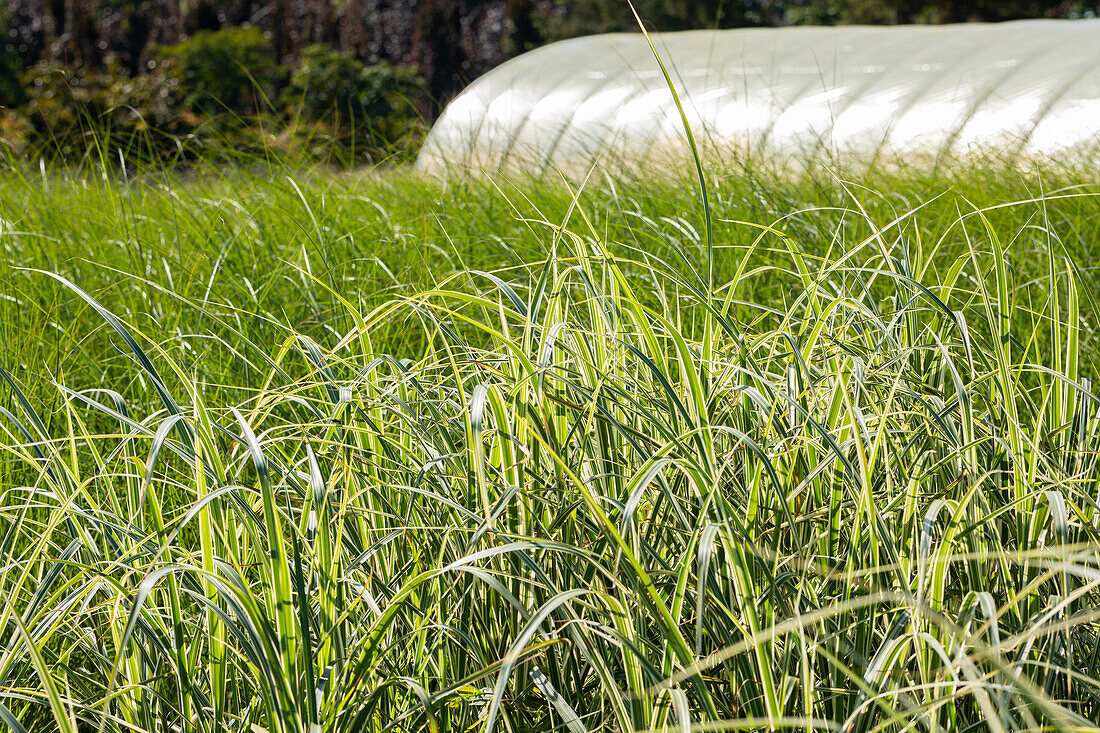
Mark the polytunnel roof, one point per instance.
(1024, 87)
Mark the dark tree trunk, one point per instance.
(442, 60)
(523, 34)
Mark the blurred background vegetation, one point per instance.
(342, 81)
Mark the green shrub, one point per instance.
(362, 106)
(229, 70)
(68, 112)
(207, 97)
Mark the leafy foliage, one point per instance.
(231, 70)
(372, 105)
(70, 114)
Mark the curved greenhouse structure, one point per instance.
(1019, 88)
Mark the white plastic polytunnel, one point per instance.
(1019, 88)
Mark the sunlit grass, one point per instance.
(294, 452)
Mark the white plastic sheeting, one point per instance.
(1021, 88)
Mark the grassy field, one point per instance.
(290, 451)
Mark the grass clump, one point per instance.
(297, 454)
